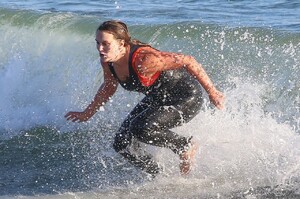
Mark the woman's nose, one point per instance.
(100, 47)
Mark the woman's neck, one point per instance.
(124, 57)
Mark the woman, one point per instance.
(171, 83)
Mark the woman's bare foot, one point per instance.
(187, 158)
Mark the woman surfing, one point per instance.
(171, 83)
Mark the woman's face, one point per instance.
(108, 47)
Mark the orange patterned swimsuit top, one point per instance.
(136, 81)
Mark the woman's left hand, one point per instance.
(217, 98)
(77, 116)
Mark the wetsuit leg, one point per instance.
(124, 141)
(152, 126)
(150, 122)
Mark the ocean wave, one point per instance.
(50, 59)
(49, 65)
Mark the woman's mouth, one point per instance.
(103, 56)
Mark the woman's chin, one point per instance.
(104, 59)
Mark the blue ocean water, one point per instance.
(279, 14)
(49, 65)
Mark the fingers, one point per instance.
(220, 106)
(70, 115)
(74, 116)
(218, 100)
(76, 120)
(220, 103)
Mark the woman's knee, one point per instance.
(122, 141)
(143, 131)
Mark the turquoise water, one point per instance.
(279, 14)
(49, 65)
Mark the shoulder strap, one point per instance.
(112, 70)
(133, 48)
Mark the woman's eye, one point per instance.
(105, 44)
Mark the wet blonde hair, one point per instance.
(120, 31)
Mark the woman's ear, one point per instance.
(122, 42)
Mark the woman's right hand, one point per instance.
(217, 98)
(77, 116)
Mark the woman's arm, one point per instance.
(106, 90)
(149, 61)
(196, 69)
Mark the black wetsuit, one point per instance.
(173, 99)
